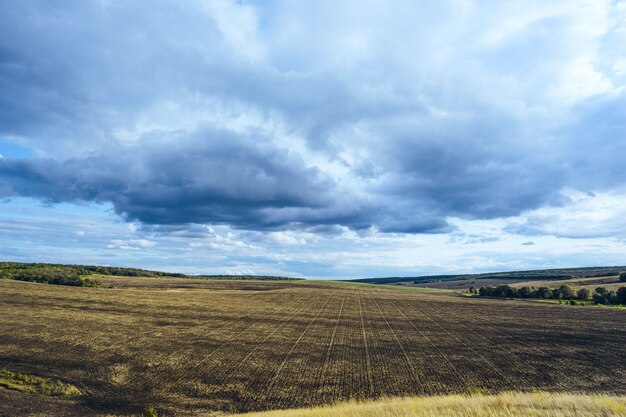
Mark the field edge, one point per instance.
(506, 404)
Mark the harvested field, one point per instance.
(196, 346)
(465, 284)
(610, 282)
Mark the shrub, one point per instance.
(150, 412)
(622, 277)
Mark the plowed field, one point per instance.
(190, 346)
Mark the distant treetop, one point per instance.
(76, 275)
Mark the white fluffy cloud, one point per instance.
(132, 244)
(587, 216)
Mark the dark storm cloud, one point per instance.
(474, 168)
(594, 143)
(198, 113)
(205, 176)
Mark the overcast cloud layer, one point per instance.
(289, 122)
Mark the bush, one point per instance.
(150, 412)
(622, 277)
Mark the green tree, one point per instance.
(487, 291)
(544, 292)
(622, 277)
(599, 298)
(602, 290)
(583, 294)
(611, 297)
(566, 292)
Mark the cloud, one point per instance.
(132, 244)
(276, 116)
(599, 215)
(283, 238)
(206, 176)
(32, 232)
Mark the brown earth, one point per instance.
(609, 282)
(465, 284)
(197, 346)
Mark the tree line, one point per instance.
(601, 295)
(72, 275)
(76, 275)
(47, 274)
(89, 269)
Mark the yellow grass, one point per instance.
(501, 405)
(35, 385)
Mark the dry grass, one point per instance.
(502, 405)
(35, 385)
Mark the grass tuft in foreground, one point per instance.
(36, 385)
(502, 405)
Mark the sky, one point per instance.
(314, 139)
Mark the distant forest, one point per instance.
(542, 274)
(78, 275)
